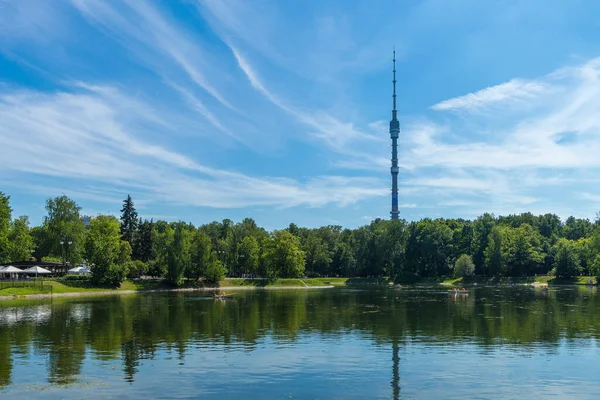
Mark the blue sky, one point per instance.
(278, 110)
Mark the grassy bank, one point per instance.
(81, 286)
(581, 280)
(85, 285)
(300, 283)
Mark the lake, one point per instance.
(342, 343)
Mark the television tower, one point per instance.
(394, 133)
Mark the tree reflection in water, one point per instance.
(128, 329)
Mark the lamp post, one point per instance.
(69, 243)
(62, 244)
(65, 252)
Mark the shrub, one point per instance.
(464, 266)
(114, 275)
(75, 278)
(136, 268)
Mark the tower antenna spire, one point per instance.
(394, 134)
(394, 82)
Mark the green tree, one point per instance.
(284, 256)
(523, 250)
(129, 221)
(201, 255)
(566, 260)
(318, 257)
(482, 227)
(20, 240)
(429, 248)
(249, 255)
(464, 266)
(163, 235)
(64, 225)
(143, 248)
(549, 226)
(105, 251)
(5, 217)
(136, 268)
(178, 255)
(41, 242)
(595, 268)
(214, 270)
(494, 260)
(585, 250)
(577, 228)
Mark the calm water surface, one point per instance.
(323, 344)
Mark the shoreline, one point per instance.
(115, 292)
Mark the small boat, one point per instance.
(224, 296)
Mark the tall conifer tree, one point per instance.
(129, 220)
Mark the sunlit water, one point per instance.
(324, 344)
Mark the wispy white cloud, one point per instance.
(153, 35)
(331, 40)
(82, 137)
(338, 135)
(516, 90)
(592, 197)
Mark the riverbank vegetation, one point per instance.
(488, 247)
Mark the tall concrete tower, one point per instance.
(394, 133)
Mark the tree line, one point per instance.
(513, 245)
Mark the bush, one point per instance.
(112, 275)
(75, 278)
(115, 275)
(136, 268)
(214, 272)
(464, 266)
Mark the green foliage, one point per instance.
(178, 256)
(5, 216)
(163, 236)
(64, 224)
(75, 278)
(482, 227)
(214, 271)
(249, 255)
(129, 220)
(201, 255)
(284, 256)
(41, 242)
(20, 240)
(595, 268)
(464, 266)
(143, 246)
(318, 257)
(513, 245)
(429, 248)
(566, 260)
(106, 252)
(136, 268)
(494, 261)
(577, 228)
